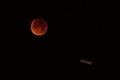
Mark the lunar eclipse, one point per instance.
(39, 27)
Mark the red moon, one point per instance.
(39, 27)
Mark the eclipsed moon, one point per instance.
(39, 27)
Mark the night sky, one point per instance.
(76, 30)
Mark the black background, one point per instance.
(76, 30)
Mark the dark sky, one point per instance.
(76, 30)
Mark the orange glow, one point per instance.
(39, 27)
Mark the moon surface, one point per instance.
(39, 27)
